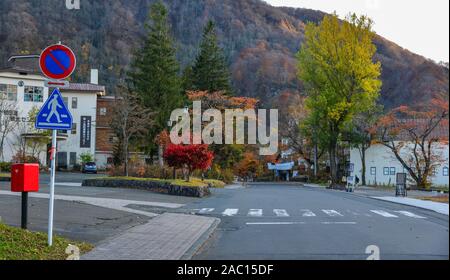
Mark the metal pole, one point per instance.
(24, 210)
(52, 189)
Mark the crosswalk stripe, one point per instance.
(255, 212)
(409, 214)
(206, 210)
(307, 213)
(230, 212)
(384, 213)
(281, 212)
(332, 213)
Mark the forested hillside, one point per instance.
(260, 43)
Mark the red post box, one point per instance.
(25, 178)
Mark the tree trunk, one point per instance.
(125, 151)
(160, 156)
(363, 163)
(333, 165)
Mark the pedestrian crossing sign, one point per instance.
(54, 114)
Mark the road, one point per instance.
(286, 222)
(262, 222)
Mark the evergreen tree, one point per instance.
(155, 72)
(210, 71)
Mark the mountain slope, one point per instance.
(260, 43)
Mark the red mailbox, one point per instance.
(25, 178)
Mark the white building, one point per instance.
(22, 85)
(382, 166)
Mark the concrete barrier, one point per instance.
(154, 186)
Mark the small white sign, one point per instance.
(56, 84)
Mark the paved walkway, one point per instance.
(166, 237)
(116, 204)
(441, 208)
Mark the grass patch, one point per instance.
(194, 182)
(441, 199)
(5, 175)
(19, 244)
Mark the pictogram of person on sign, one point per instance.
(54, 104)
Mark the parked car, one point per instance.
(89, 167)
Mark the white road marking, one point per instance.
(384, 213)
(205, 210)
(409, 214)
(332, 213)
(230, 212)
(281, 212)
(307, 213)
(276, 223)
(68, 184)
(339, 223)
(255, 212)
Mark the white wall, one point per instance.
(22, 107)
(380, 157)
(87, 103)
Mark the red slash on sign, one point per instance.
(57, 62)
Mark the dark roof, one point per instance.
(84, 87)
(28, 64)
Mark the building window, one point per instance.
(33, 94)
(109, 160)
(73, 159)
(445, 171)
(386, 171)
(74, 128)
(74, 102)
(103, 111)
(8, 92)
(393, 171)
(373, 171)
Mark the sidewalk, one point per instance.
(389, 195)
(116, 204)
(166, 237)
(441, 208)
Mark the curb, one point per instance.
(201, 241)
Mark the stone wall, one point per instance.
(159, 187)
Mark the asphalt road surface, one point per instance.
(287, 222)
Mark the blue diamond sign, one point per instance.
(54, 114)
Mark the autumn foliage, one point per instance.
(249, 166)
(189, 157)
(416, 136)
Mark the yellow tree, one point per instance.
(340, 77)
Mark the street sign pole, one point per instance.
(57, 62)
(52, 188)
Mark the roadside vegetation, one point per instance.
(193, 182)
(19, 244)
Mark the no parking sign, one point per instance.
(57, 62)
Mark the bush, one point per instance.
(5, 167)
(86, 157)
(217, 173)
(142, 171)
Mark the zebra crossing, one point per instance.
(306, 213)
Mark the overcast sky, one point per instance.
(421, 26)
